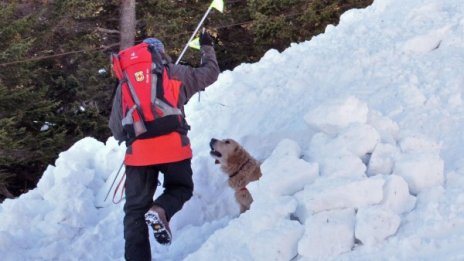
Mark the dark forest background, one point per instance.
(55, 75)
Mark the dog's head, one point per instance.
(222, 150)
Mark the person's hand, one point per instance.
(205, 39)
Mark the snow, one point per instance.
(327, 234)
(332, 117)
(396, 195)
(374, 225)
(359, 135)
(286, 172)
(331, 194)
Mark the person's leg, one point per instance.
(178, 186)
(140, 186)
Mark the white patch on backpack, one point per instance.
(134, 56)
(139, 76)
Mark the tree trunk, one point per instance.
(127, 24)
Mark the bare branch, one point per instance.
(5, 192)
(107, 31)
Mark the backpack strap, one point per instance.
(154, 82)
(136, 101)
(131, 89)
(161, 107)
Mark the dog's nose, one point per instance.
(211, 143)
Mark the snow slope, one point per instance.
(359, 135)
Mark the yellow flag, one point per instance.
(195, 43)
(218, 5)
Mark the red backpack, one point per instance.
(149, 98)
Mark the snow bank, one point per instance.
(62, 206)
(325, 212)
(371, 118)
(379, 176)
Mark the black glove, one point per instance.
(205, 39)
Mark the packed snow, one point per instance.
(359, 135)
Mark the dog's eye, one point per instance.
(227, 141)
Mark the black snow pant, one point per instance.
(141, 183)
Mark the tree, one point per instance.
(127, 24)
(24, 109)
(46, 105)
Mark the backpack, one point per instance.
(149, 98)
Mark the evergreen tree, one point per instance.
(25, 111)
(47, 105)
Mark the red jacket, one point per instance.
(186, 81)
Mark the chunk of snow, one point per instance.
(396, 195)
(375, 224)
(382, 159)
(418, 143)
(359, 138)
(420, 170)
(328, 234)
(337, 114)
(327, 196)
(387, 128)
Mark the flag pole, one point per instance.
(216, 4)
(194, 33)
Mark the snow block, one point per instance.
(375, 224)
(358, 138)
(328, 234)
(382, 159)
(335, 158)
(321, 146)
(387, 129)
(419, 144)
(286, 148)
(396, 195)
(337, 114)
(283, 237)
(284, 177)
(355, 194)
(346, 166)
(284, 173)
(420, 170)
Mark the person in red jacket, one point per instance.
(169, 154)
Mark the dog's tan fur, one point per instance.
(241, 168)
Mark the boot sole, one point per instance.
(162, 235)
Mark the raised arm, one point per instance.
(197, 79)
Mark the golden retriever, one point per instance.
(239, 166)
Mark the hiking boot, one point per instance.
(156, 218)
